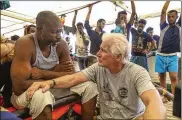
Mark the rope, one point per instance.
(12, 25)
(19, 13)
(14, 30)
(8, 20)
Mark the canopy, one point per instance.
(27, 11)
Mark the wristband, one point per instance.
(164, 92)
(54, 82)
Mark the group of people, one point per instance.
(122, 83)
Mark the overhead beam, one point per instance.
(5, 13)
(78, 8)
(13, 30)
(9, 20)
(12, 25)
(19, 13)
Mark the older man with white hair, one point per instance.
(125, 89)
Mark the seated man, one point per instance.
(125, 89)
(39, 57)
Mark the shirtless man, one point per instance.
(46, 57)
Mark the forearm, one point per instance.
(152, 46)
(52, 74)
(73, 23)
(164, 9)
(154, 111)
(64, 82)
(23, 86)
(85, 41)
(69, 80)
(133, 12)
(88, 16)
(28, 83)
(74, 20)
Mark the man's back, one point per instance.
(120, 93)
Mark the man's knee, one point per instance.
(162, 75)
(173, 76)
(87, 90)
(39, 101)
(90, 91)
(91, 86)
(39, 95)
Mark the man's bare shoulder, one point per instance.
(62, 45)
(25, 41)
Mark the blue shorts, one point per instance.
(140, 60)
(166, 64)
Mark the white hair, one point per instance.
(117, 44)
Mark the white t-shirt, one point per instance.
(119, 94)
(81, 49)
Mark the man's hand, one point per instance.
(145, 51)
(65, 67)
(76, 11)
(37, 73)
(123, 25)
(90, 7)
(45, 86)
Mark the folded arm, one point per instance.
(64, 67)
(61, 82)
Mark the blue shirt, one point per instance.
(5, 115)
(118, 29)
(95, 38)
(139, 41)
(170, 41)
